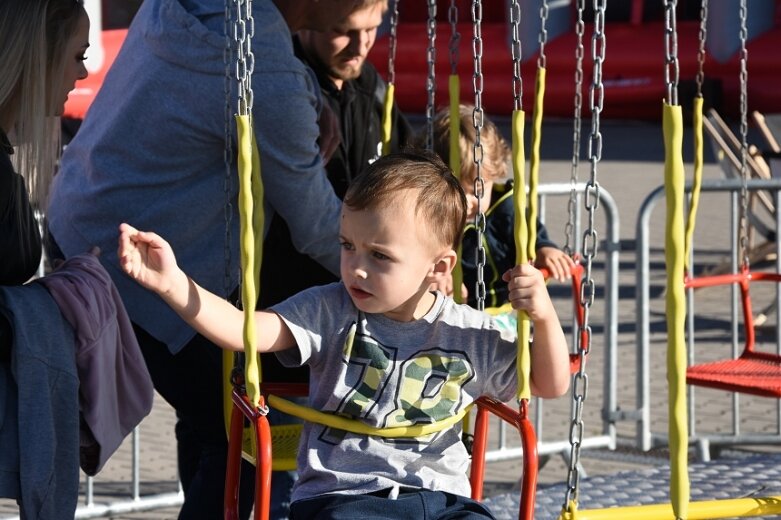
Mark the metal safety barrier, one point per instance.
(645, 438)
(610, 248)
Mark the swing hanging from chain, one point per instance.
(753, 372)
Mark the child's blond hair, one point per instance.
(496, 152)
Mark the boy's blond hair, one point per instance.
(440, 200)
(496, 152)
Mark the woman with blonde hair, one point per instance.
(42, 46)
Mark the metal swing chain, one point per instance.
(477, 149)
(394, 22)
(542, 38)
(671, 69)
(455, 36)
(590, 240)
(515, 48)
(569, 228)
(703, 36)
(243, 31)
(743, 135)
(227, 186)
(431, 58)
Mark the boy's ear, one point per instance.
(445, 264)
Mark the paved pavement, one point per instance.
(631, 168)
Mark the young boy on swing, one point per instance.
(381, 347)
(497, 205)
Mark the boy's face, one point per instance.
(468, 184)
(388, 255)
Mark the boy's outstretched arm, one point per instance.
(549, 354)
(149, 260)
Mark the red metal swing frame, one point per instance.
(243, 410)
(753, 372)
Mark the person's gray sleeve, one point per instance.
(310, 320)
(294, 178)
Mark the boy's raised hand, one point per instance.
(147, 258)
(527, 292)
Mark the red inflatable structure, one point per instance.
(633, 70)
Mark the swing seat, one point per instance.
(284, 437)
(756, 373)
(282, 441)
(284, 446)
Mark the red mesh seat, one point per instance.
(754, 373)
(757, 373)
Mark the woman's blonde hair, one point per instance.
(496, 152)
(33, 38)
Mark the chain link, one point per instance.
(744, 231)
(515, 48)
(477, 150)
(542, 38)
(703, 37)
(455, 36)
(671, 70)
(431, 58)
(394, 23)
(243, 32)
(569, 228)
(227, 185)
(590, 241)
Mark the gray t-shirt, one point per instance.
(392, 374)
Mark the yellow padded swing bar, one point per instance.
(522, 254)
(696, 180)
(251, 245)
(387, 123)
(672, 124)
(354, 426)
(534, 162)
(526, 221)
(251, 222)
(454, 161)
(739, 507)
